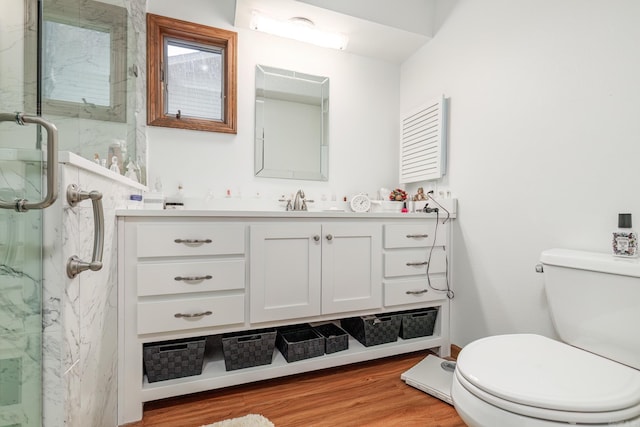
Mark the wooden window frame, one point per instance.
(161, 27)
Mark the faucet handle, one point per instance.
(289, 206)
(304, 203)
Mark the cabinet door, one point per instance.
(351, 272)
(284, 271)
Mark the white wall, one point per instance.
(363, 119)
(544, 143)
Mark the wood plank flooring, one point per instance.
(363, 394)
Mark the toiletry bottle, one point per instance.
(625, 240)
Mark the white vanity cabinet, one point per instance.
(410, 252)
(308, 269)
(175, 279)
(189, 274)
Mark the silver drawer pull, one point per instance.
(423, 291)
(194, 278)
(194, 315)
(411, 264)
(193, 241)
(415, 236)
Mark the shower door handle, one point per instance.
(75, 265)
(23, 205)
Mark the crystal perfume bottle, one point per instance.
(625, 240)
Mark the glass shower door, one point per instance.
(20, 290)
(21, 167)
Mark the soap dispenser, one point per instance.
(625, 240)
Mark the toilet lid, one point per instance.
(557, 376)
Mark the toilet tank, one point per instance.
(594, 299)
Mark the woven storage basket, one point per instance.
(298, 344)
(373, 330)
(418, 323)
(248, 348)
(335, 338)
(173, 359)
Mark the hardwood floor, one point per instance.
(364, 394)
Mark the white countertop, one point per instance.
(254, 209)
(270, 214)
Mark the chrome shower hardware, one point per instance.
(23, 205)
(75, 265)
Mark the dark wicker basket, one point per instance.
(248, 348)
(173, 359)
(373, 330)
(299, 343)
(418, 323)
(335, 338)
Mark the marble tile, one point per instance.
(81, 325)
(20, 357)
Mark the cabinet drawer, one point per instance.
(413, 235)
(160, 316)
(183, 277)
(189, 239)
(412, 262)
(413, 291)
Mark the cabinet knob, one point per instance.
(316, 238)
(329, 237)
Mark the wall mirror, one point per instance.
(292, 124)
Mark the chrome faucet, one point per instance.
(299, 203)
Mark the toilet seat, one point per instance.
(560, 383)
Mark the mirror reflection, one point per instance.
(84, 60)
(292, 123)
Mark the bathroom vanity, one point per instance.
(204, 273)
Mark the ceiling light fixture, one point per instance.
(298, 28)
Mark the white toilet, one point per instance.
(591, 378)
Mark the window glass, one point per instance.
(194, 81)
(71, 52)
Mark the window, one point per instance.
(191, 72)
(84, 62)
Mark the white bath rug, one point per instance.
(251, 420)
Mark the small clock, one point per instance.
(360, 203)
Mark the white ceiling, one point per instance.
(376, 28)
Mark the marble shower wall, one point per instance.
(80, 323)
(86, 132)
